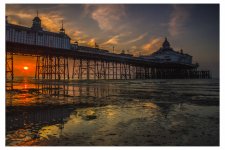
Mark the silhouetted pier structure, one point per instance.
(55, 54)
(9, 70)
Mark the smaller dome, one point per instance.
(62, 30)
(36, 23)
(166, 44)
(37, 19)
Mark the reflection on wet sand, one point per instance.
(37, 115)
(113, 113)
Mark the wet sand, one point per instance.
(143, 113)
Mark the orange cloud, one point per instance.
(112, 41)
(52, 22)
(137, 38)
(116, 39)
(78, 36)
(91, 42)
(77, 33)
(153, 45)
(19, 17)
(134, 47)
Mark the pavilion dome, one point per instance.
(37, 19)
(166, 44)
(36, 23)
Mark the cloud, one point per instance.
(19, 17)
(112, 41)
(116, 39)
(52, 22)
(148, 48)
(78, 36)
(153, 45)
(134, 47)
(91, 42)
(134, 50)
(107, 16)
(137, 38)
(178, 19)
(77, 33)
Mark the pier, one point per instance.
(55, 54)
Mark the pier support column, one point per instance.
(108, 70)
(116, 71)
(9, 75)
(52, 68)
(98, 70)
(129, 71)
(120, 70)
(95, 69)
(88, 69)
(105, 69)
(74, 69)
(113, 63)
(80, 70)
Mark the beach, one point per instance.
(113, 113)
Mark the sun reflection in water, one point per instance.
(25, 86)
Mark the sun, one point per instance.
(25, 68)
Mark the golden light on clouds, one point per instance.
(106, 16)
(79, 36)
(52, 22)
(153, 45)
(91, 42)
(19, 17)
(142, 36)
(112, 41)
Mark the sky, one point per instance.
(138, 29)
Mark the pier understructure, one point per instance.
(9, 75)
(58, 64)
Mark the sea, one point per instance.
(153, 112)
